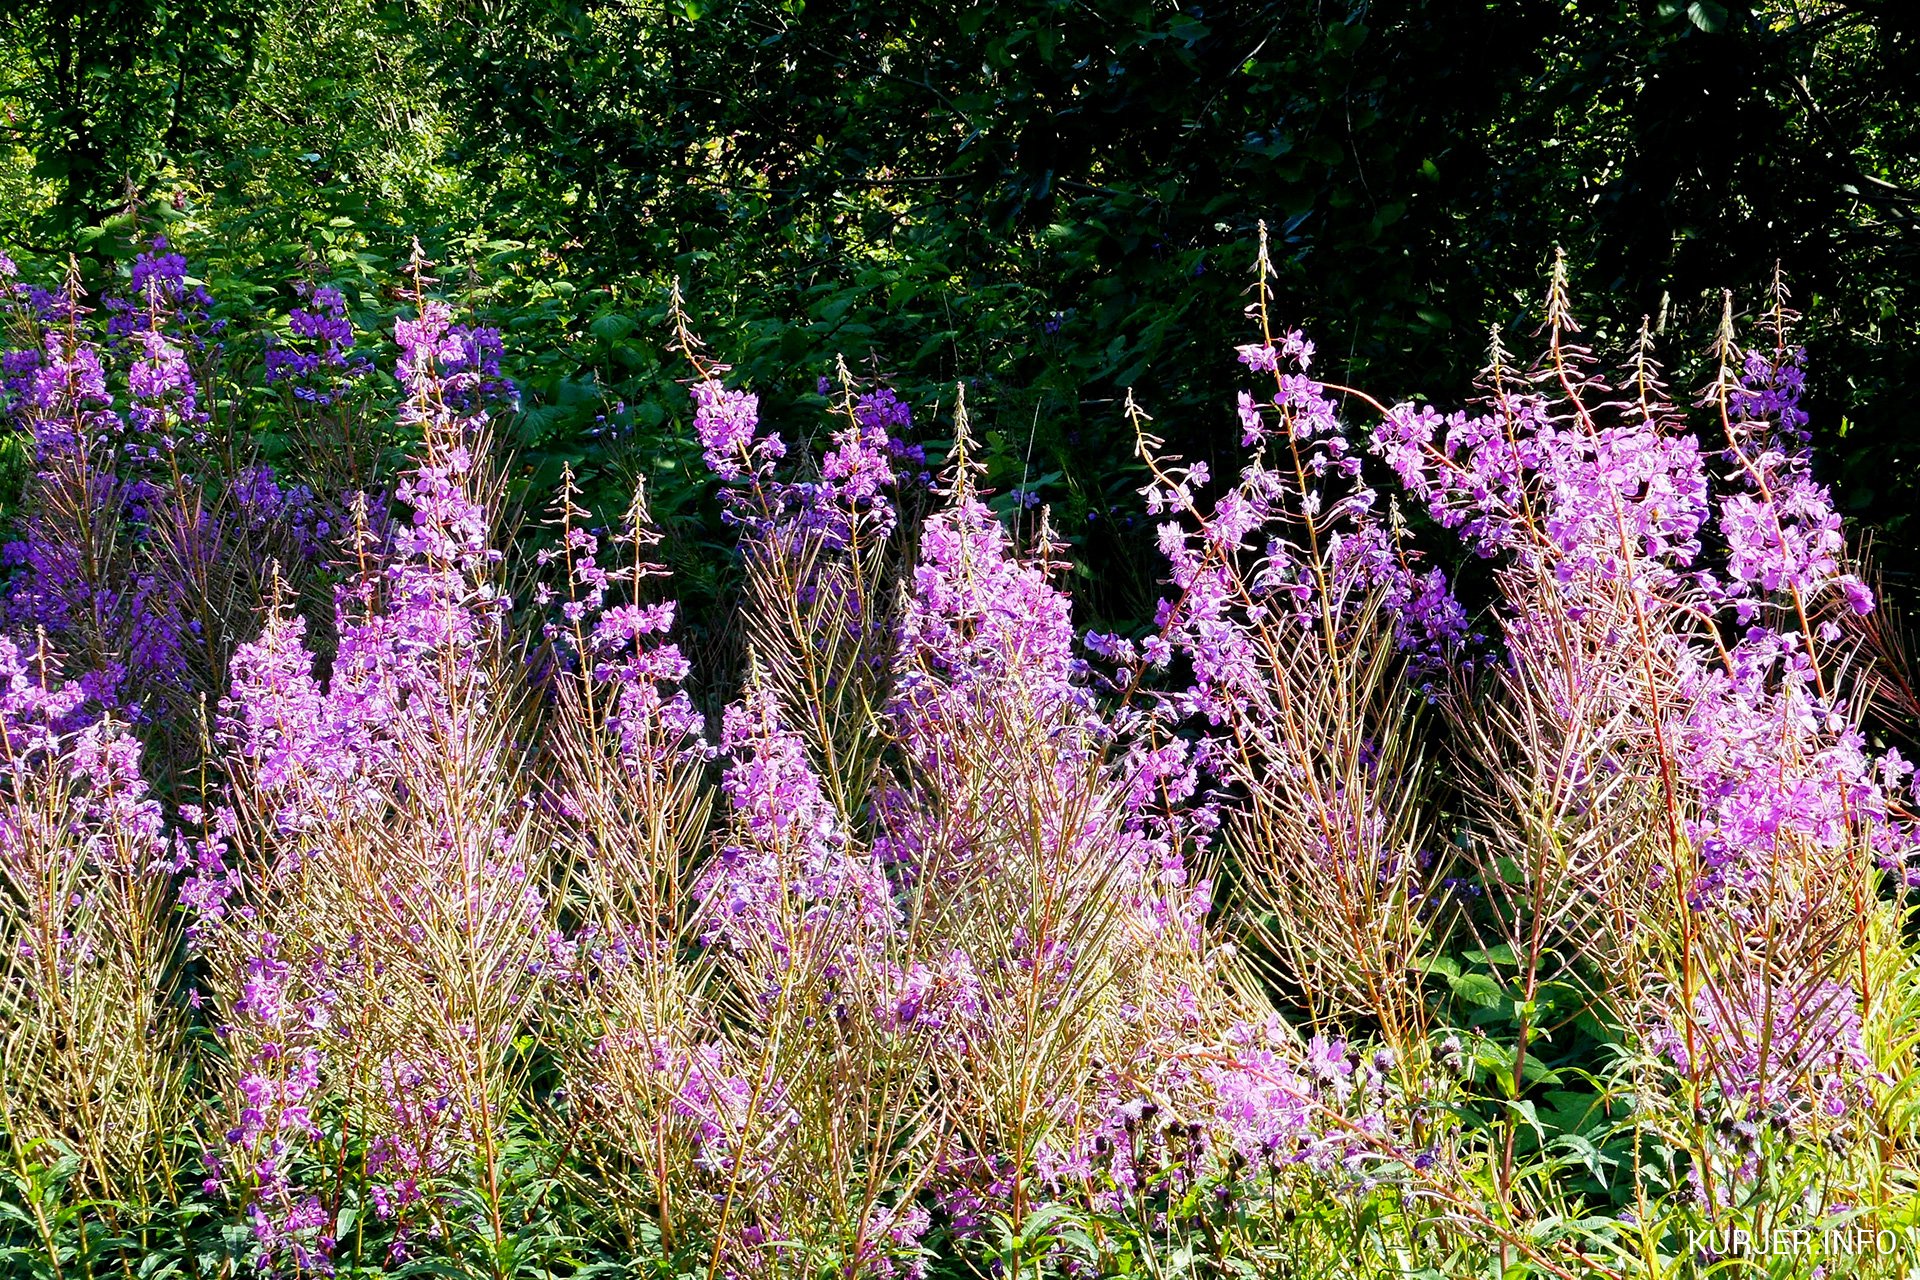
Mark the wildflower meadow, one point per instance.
(1488, 859)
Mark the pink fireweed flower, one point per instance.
(728, 426)
(791, 882)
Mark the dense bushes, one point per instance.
(385, 887)
(1050, 198)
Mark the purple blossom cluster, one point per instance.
(282, 1024)
(923, 930)
(317, 362)
(791, 889)
(85, 932)
(1304, 539)
(356, 956)
(1788, 1050)
(848, 499)
(138, 542)
(1721, 575)
(604, 628)
(905, 914)
(1726, 571)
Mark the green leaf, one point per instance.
(611, 327)
(1708, 15)
(1477, 989)
(1595, 1161)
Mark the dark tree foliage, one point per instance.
(100, 91)
(1419, 162)
(1056, 199)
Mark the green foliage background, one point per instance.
(1055, 201)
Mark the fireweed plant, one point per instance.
(383, 889)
